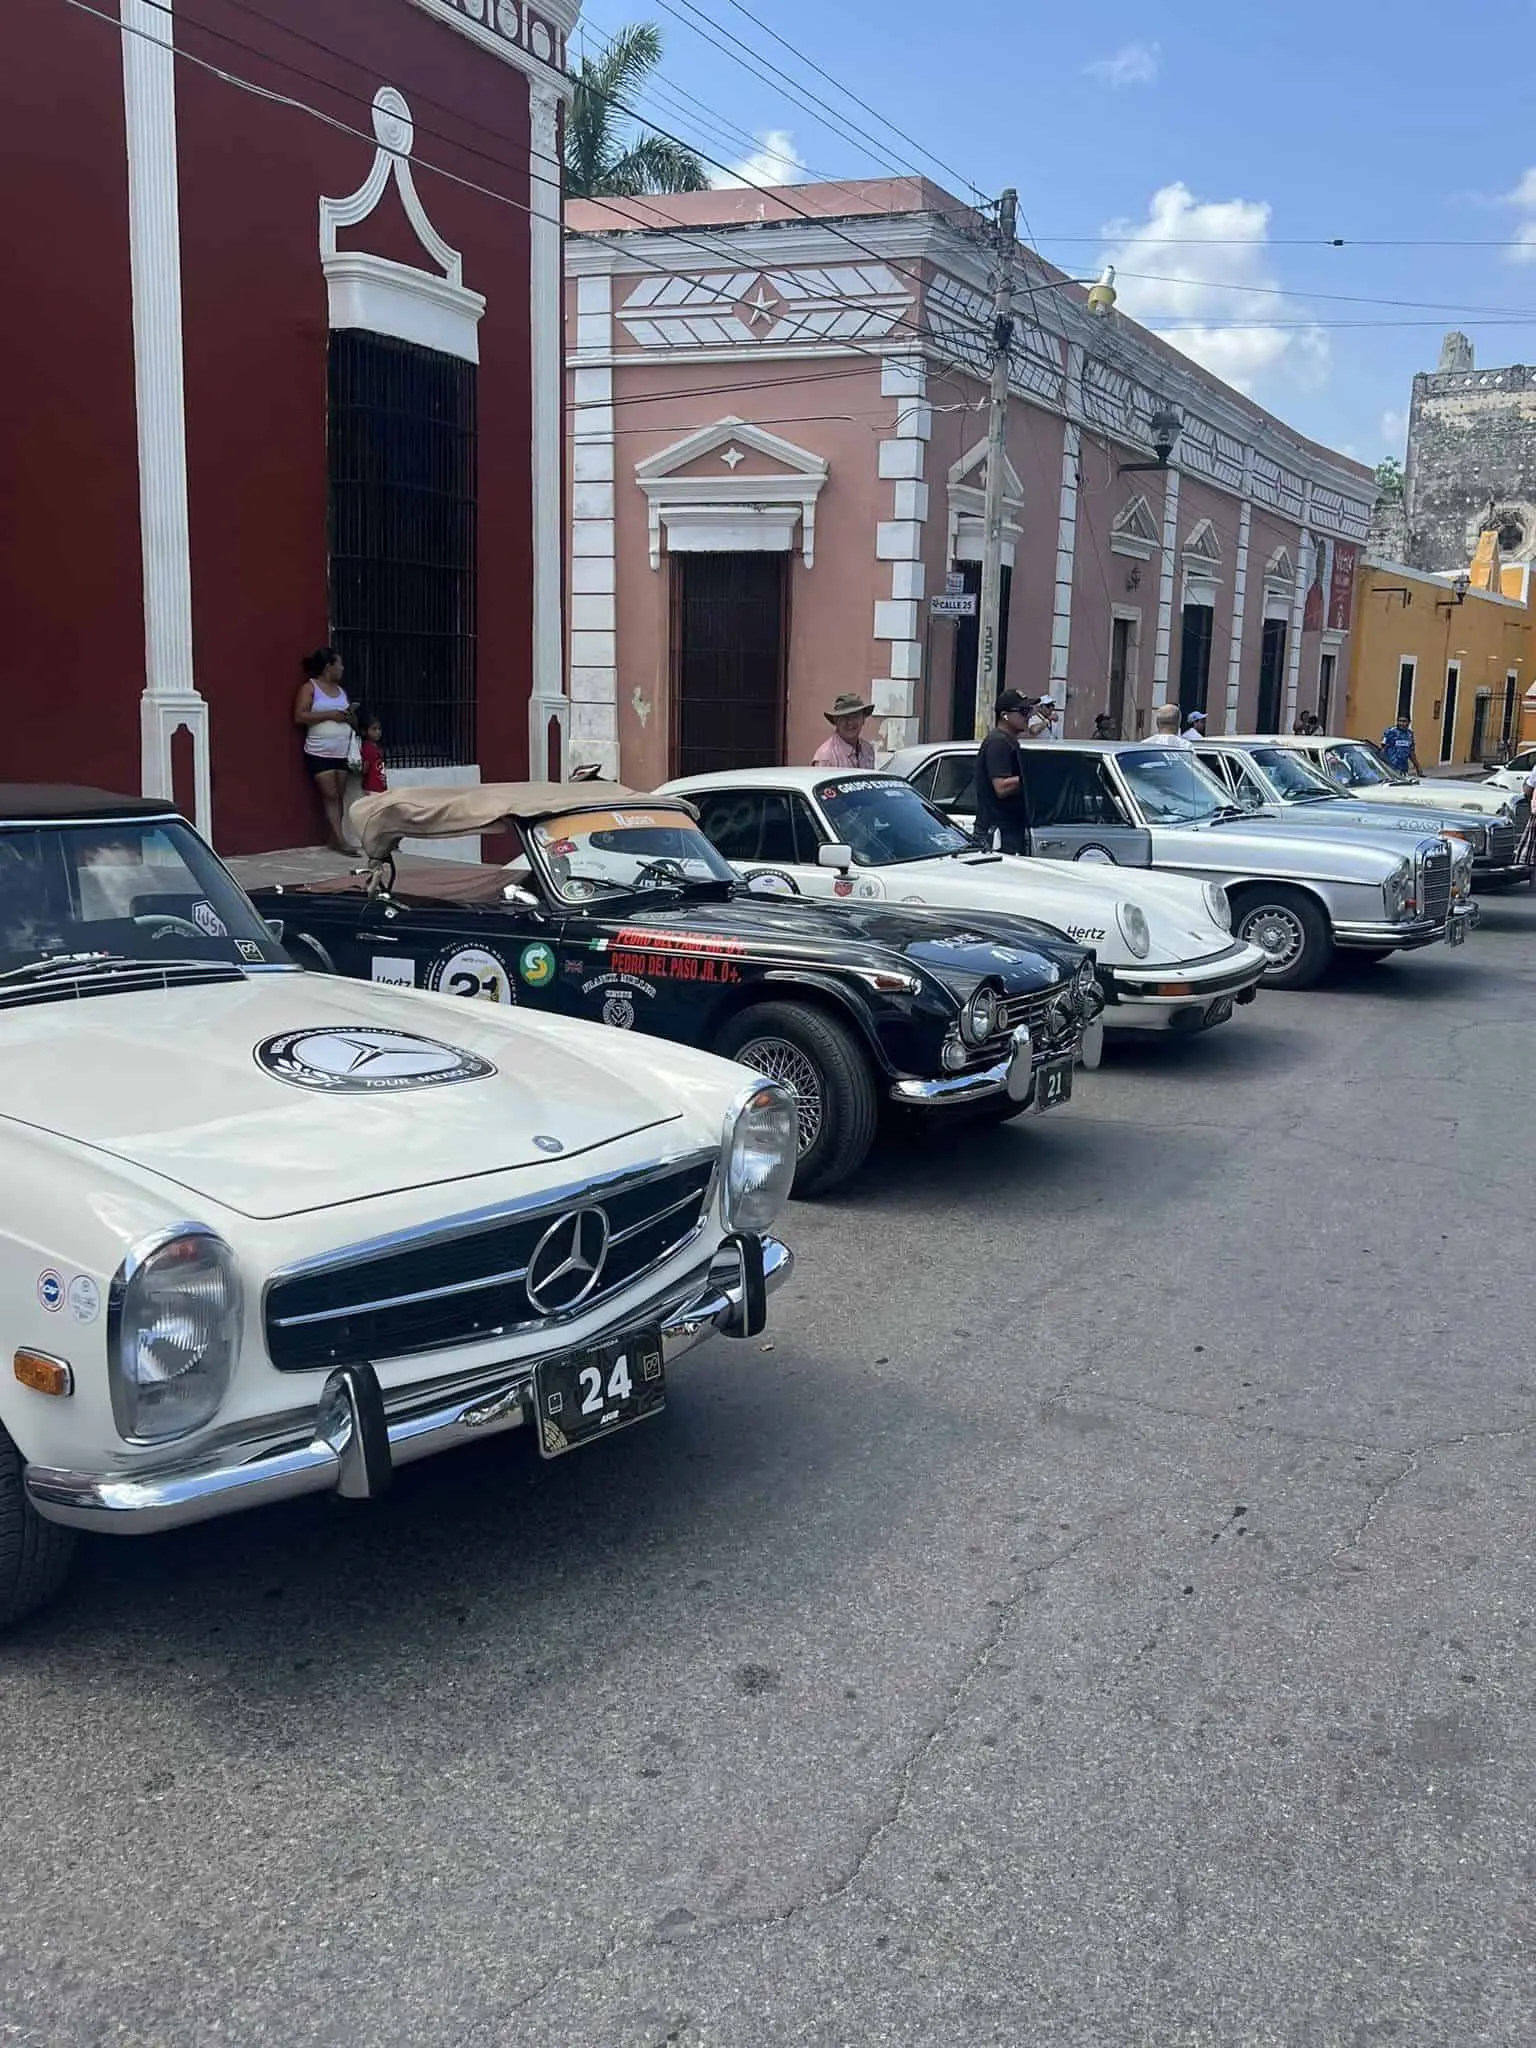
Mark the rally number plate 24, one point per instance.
(592, 1393)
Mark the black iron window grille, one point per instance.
(403, 541)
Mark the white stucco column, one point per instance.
(899, 618)
(1298, 609)
(1239, 598)
(1066, 526)
(546, 287)
(170, 700)
(1161, 655)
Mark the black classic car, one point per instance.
(613, 907)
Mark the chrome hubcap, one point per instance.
(1278, 931)
(781, 1061)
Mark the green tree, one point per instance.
(604, 157)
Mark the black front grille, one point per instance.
(1435, 895)
(1052, 1017)
(459, 1287)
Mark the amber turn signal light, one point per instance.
(44, 1375)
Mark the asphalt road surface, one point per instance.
(1100, 1616)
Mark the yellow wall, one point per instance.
(1488, 637)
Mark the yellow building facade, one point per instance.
(1457, 653)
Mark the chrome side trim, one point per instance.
(367, 1308)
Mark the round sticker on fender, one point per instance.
(472, 971)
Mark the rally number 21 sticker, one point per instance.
(474, 972)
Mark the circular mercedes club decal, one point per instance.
(336, 1060)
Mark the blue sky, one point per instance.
(1196, 146)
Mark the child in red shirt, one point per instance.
(374, 778)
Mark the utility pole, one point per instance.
(988, 648)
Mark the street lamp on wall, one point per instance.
(1165, 426)
(1459, 587)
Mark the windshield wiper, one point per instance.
(1225, 813)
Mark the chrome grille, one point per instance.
(1435, 884)
(1501, 844)
(1054, 1023)
(460, 1285)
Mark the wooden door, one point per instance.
(728, 650)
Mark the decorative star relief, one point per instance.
(759, 310)
(731, 456)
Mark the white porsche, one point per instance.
(1166, 955)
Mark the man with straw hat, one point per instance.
(844, 747)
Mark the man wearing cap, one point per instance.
(845, 747)
(1195, 728)
(1045, 719)
(1002, 809)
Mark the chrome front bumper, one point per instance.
(1378, 936)
(1014, 1075)
(1178, 997)
(353, 1438)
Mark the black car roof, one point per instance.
(31, 803)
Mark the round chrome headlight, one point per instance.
(1397, 889)
(1219, 904)
(173, 1333)
(759, 1149)
(1132, 920)
(978, 1020)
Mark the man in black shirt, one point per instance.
(1002, 809)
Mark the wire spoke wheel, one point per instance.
(782, 1061)
(1279, 932)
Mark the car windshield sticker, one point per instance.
(208, 920)
(249, 950)
(84, 1298)
(333, 1059)
(472, 971)
(537, 965)
(393, 973)
(50, 1290)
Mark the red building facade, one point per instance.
(281, 366)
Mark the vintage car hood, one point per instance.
(1386, 818)
(1022, 952)
(1271, 845)
(1439, 794)
(214, 1088)
(1077, 897)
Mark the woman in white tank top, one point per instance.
(323, 712)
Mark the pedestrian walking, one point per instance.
(845, 746)
(1195, 727)
(1002, 808)
(1397, 744)
(1045, 719)
(323, 712)
(1165, 728)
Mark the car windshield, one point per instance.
(142, 892)
(592, 855)
(887, 822)
(1358, 766)
(1289, 776)
(1171, 786)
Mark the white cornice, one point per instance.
(532, 38)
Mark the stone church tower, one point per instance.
(1471, 463)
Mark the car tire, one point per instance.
(1289, 925)
(826, 1068)
(34, 1555)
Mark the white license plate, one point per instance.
(1456, 932)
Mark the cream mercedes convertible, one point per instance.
(265, 1232)
(1167, 960)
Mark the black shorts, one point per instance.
(324, 764)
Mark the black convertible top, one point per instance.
(31, 803)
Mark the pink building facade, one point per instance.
(776, 462)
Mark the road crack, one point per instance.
(1410, 1460)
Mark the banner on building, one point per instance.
(1341, 595)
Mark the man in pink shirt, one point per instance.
(845, 748)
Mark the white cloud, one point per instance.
(1523, 199)
(775, 161)
(1131, 64)
(1393, 427)
(1195, 271)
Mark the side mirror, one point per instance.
(835, 857)
(525, 899)
(275, 929)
